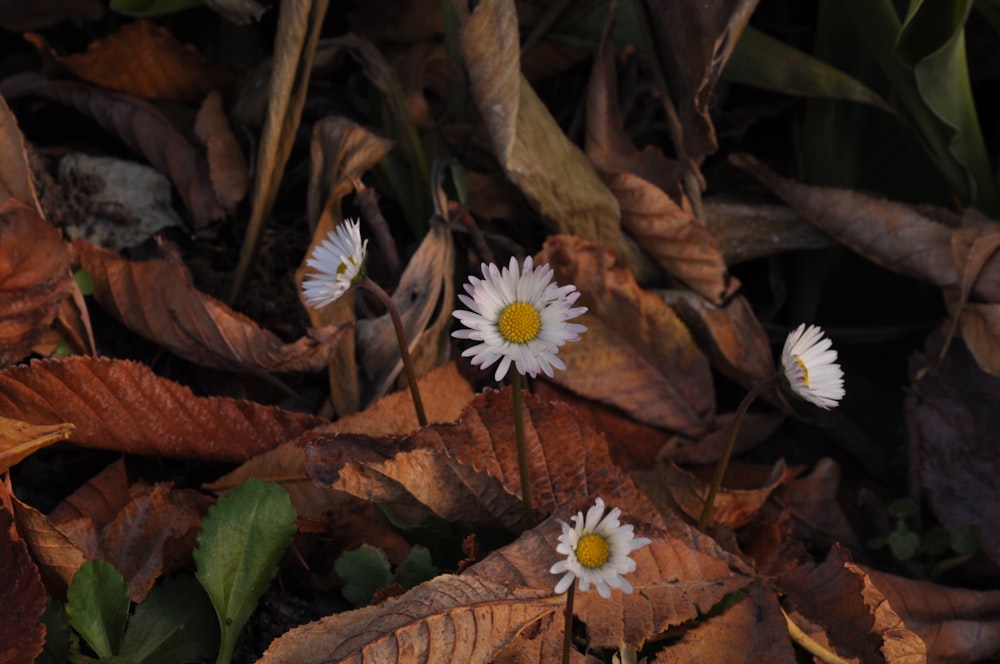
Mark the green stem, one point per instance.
(404, 348)
(734, 427)
(522, 449)
(568, 632)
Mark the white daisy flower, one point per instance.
(338, 261)
(596, 550)
(518, 317)
(811, 368)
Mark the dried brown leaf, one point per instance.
(554, 174)
(122, 406)
(227, 167)
(144, 60)
(99, 499)
(815, 508)
(15, 172)
(141, 127)
(35, 278)
(57, 557)
(661, 378)
(22, 598)
(19, 440)
(157, 299)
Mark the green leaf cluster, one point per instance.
(366, 570)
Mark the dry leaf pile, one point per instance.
(143, 377)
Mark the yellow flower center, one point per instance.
(592, 551)
(519, 322)
(805, 371)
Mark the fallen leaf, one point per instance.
(227, 167)
(542, 642)
(157, 299)
(22, 598)
(122, 406)
(144, 60)
(57, 557)
(35, 278)
(815, 508)
(141, 127)
(661, 378)
(98, 499)
(755, 428)
(15, 172)
(19, 440)
(554, 174)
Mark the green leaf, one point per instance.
(174, 625)
(762, 61)
(239, 547)
(364, 571)
(97, 604)
(56, 649)
(904, 544)
(85, 282)
(416, 569)
(902, 508)
(149, 8)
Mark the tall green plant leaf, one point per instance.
(241, 541)
(173, 626)
(97, 604)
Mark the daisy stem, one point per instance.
(404, 348)
(734, 427)
(811, 645)
(568, 632)
(522, 449)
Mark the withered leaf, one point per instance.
(19, 440)
(98, 499)
(123, 406)
(647, 185)
(144, 60)
(35, 278)
(58, 558)
(157, 299)
(141, 127)
(661, 377)
(553, 173)
(15, 173)
(227, 167)
(22, 598)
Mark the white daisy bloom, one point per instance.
(811, 368)
(519, 317)
(338, 261)
(597, 551)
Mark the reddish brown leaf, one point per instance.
(15, 173)
(121, 405)
(815, 508)
(542, 642)
(647, 186)
(35, 278)
(661, 378)
(22, 598)
(145, 61)
(19, 440)
(958, 626)
(755, 428)
(58, 558)
(158, 300)
(144, 129)
(227, 167)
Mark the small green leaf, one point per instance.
(85, 282)
(364, 571)
(173, 626)
(97, 604)
(239, 547)
(904, 545)
(416, 569)
(965, 541)
(150, 8)
(903, 508)
(56, 634)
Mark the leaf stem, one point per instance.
(734, 427)
(522, 450)
(568, 631)
(404, 348)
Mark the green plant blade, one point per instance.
(416, 569)
(239, 547)
(762, 61)
(97, 604)
(363, 571)
(56, 634)
(173, 626)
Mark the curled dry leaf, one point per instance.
(227, 167)
(157, 299)
(839, 596)
(144, 60)
(661, 378)
(123, 406)
(35, 278)
(647, 185)
(958, 626)
(553, 173)
(22, 598)
(15, 172)
(19, 440)
(144, 129)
